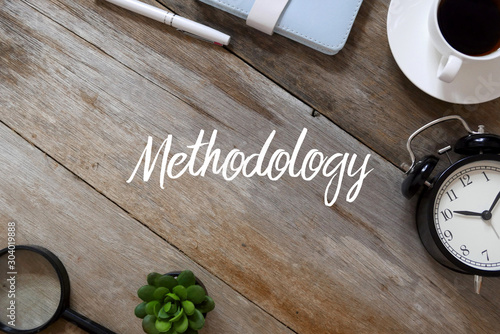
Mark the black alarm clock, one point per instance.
(458, 212)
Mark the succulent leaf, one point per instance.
(196, 321)
(196, 294)
(152, 278)
(140, 310)
(167, 306)
(188, 307)
(180, 291)
(153, 307)
(148, 324)
(166, 281)
(146, 292)
(177, 316)
(160, 293)
(207, 305)
(162, 314)
(182, 325)
(173, 309)
(173, 296)
(186, 278)
(162, 326)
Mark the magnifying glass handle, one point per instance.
(85, 323)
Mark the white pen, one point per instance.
(186, 26)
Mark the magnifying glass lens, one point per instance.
(30, 290)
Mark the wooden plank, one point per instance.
(106, 252)
(361, 89)
(353, 267)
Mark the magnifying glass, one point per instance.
(34, 292)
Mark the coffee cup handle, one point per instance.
(448, 68)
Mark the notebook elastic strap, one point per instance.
(265, 14)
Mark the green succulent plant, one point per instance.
(173, 305)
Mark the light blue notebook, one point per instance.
(323, 25)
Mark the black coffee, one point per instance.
(471, 26)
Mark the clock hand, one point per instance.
(494, 230)
(486, 215)
(494, 202)
(468, 213)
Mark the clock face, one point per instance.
(466, 214)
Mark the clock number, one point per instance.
(448, 235)
(486, 176)
(451, 195)
(466, 180)
(464, 250)
(485, 252)
(447, 214)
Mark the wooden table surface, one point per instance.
(83, 84)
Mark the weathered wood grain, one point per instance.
(106, 252)
(110, 79)
(361, 89)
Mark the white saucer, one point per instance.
(417, 58)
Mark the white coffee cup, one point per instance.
(451, 59)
